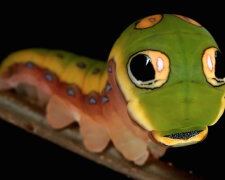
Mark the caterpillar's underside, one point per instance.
(77, 89)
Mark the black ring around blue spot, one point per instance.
(105, 99)
(30, 64)
(108, 87)
(92, 100)
(70, 92)
(49, 77)
(81, 65)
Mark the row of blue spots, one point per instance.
(47, 76)
(71, 92)
(107, 88)
(92, 100)
(82, 65)
(79, 64)
(104, 98)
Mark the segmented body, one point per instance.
(88, 74)
(160, 71)
(77, 89)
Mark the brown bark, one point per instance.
(15, 110)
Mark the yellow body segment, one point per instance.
(88, 74)
(53, 61)
(23, 56)
(92, 79)
(73, 74)
(103, 80)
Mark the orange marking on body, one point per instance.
(189, 20)
(148, 22)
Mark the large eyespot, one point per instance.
(148, 69)
(214, 66)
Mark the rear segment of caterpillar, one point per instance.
(78, 89)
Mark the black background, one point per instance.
(91, 29)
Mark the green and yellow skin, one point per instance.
(185, 97)
(163, 86)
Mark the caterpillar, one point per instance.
(162, 86)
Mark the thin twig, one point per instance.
(22, 114)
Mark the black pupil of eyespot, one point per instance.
(141, 68)
(220, 65)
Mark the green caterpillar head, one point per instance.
(168, 68)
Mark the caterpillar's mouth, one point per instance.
(183, 138)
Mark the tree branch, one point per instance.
(15, 110)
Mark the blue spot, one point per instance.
(109, 69)
(81, 65)
(49, 77)
(92, 100)
(105, 99)
(30, 64)
(108, 87)
(96, 71)
(70, 92)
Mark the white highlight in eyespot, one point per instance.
(209, 63)
(147, 61)
(160, 64)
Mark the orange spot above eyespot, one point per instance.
(148, 22)
(189, 20)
